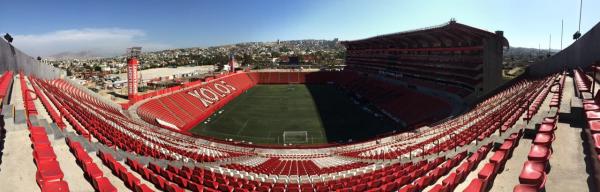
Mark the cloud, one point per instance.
(101, 41)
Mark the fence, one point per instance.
(13, 59)
(582, 53)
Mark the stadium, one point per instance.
(418, 110)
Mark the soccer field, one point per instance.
(263, 113)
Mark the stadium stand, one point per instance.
(422, 173)
(418, 180)
(93, 145)
(439, 57)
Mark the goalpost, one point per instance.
(295, 137)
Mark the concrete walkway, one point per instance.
(568, 169)
(17, 171)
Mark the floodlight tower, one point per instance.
(232, 62)
(132, 73)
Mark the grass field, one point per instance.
(263, 113)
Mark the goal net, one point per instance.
(295, 137)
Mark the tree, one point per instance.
(284, 49)
(247, 59)
(275, 54)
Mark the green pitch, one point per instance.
(264, 112)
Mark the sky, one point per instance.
(107, 27)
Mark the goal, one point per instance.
(295, 137)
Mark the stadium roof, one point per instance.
(448, 34)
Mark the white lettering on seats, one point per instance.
(213, 96)
(204, 101)
(222, 88)
(230, 87)
(209, 96)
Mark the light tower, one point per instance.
(132, 74)
(232, 62)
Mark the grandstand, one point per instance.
(454, 57)
(538, 132)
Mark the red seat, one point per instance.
(249, 186)
(307, 189)
(130, 180)
(529, 175)
(594, 126)
(93, 171)
(487, 172)
(407, 188)
(195, 187)
(388, 187)
(525, 188)
(450, 181)
(374, 184)
(506, 146)
(499, 158)
(547, 128)
(84, 158)
(278, 189)
(539, 184)
(438, 188)
(49, 171)
(180, 180)
(535, 165)
(43, 153)
(592, 115)
(476, 185)
(548, 120)
(158, 181)
(543, 139)
(240, 190)
(174, 188)
(262, 189)
(142, 188)
(590, 107)
(102, 184)
(596, 138)
(55, 186)
(211, 184)
(462, 171)
(225, 188)
(539, 153)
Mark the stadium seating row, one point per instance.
(49, 175)
(275, 166)
(5, 85)
(459, 68)
(480, 126)
(591, 106)
(105, 127)
(5, 82)
(535, 168)
(90, 168)
(110, 127)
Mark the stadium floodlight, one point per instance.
(576, 35)
(8, 38)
